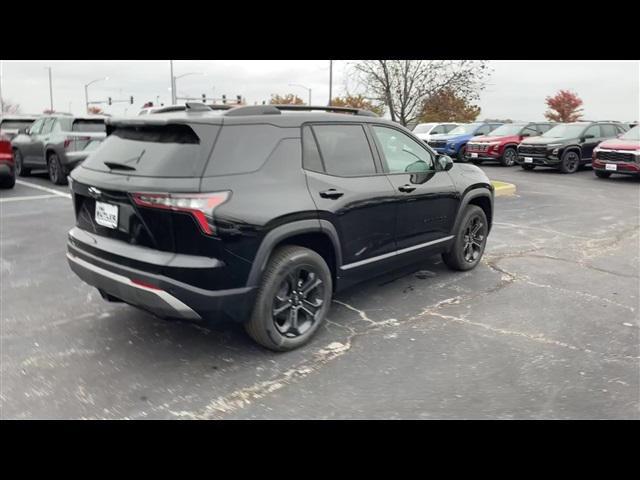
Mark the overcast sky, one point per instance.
(516, 89)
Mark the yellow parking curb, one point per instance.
(503, 188)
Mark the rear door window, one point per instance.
(311, 159)
(84, 125)
(155, 151)
(593, 130)
(345, 150)
(46, 127)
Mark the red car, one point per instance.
(7, 166)
(500, 145)
(618, 155)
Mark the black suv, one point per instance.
(566, 146)
(261, 213)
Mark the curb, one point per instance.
(503, 188)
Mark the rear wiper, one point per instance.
(121, 166)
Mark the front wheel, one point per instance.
(570, 162)
(293, 299)
(601, 174)
(21, 170)
(508, 157)
(470, 241)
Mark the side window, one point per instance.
(345, 150)
(449, 127)
(531, 131)
(608, 130)
(310, 154)
(36, 127)
(46, 128)
(401, 153)
(483, 130)
(438, 129)
(56, 126)
(245, 148)
(593, 130)
(543, 127)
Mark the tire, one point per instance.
(287, 267)
(465, 255)
(57, 174)
(508, 158)
(527, 166)
(8, 182)
(461, 154)
(570, 162)
(601, 174)
(21, 170)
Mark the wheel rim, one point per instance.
(473, 240)
(509, 157)
(18, 158)
(571, 161)
(53, 168)
(297, 302)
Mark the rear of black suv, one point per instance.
(200, 215)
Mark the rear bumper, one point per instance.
(158, 293)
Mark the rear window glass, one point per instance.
(155, 151)
(88, 126)
(245, 148)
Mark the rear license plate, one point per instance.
(611, 166)
(474, 155)
(106, 215)
(528, 160)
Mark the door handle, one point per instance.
(406, 188)
(331, 193)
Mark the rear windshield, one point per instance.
(15, 124)
(155, 151)
(81, 125)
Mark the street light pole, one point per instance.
(86, 91)
(50, 91)
(330, 81)
(173, 84)
(1, 100)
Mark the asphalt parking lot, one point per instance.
(546, 327)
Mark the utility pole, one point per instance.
(1, 100)
(173, 84)
(50, 91)
(330, 81)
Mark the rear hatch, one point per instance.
(130, 179)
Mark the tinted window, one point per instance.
(245, 148)
(401, 153)
(543, 127)
(608, 130)
(449, 127)
(15, 124)
(310, 154)
(81, 125)
(593, 130)
(439, 129)
(36, 127)
(531, 131)
(46, 127)
(154, 151)
(483, 130)
(345, 150)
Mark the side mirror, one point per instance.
(588, 136)
(445, 161)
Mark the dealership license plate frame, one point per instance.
(106, 215)
(612, 167)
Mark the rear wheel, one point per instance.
(21, 170)
(461, 154)
(293, 299)
(601, 174)
(56, 172)
(8, 182)
(508, 157)
(570, 162)
(470, 241)
(527, 166)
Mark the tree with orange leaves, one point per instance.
(564, 107)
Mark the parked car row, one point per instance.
(56, 142)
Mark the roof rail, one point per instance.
(195, 106)
(277, 109)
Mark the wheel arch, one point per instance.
(480, 197)
(317, 235)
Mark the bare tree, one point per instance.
(9, 107)
(404, 85)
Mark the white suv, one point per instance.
(424, 130)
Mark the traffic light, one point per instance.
(238, 99)
(204, 98)
(224, 99)
(109, 100)
(131, 99)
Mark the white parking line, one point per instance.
(45, 189)
(28, 197)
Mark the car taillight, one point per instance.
(199, 205)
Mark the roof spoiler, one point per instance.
(277, 110)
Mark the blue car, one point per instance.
(454, 143)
